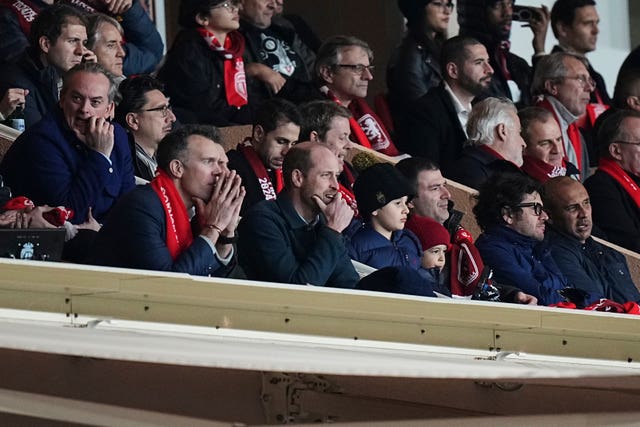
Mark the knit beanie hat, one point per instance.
(190, 8)
(429, 231)
(379, 185)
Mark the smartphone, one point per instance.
(524, 13)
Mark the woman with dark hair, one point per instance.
(415, 66)
(204, 73)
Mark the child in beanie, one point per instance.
(434, 238)
(382, 194)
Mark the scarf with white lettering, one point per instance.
(25, 10)
(261, 172)
(235, 80)
(179, 235)
(542, 171)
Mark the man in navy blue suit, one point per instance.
(74, 157)
(153, 228)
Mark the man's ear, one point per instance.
(201, 20)
(551, 87)
(176, 168)
(44, 44)
(326, 73)
(111, 110)
(633, 102)
(561, 31)
(314, 137)
(132, 121)
(257, 135)
(297, 178)
(615, 152)
(507, 215)
(501, 131)
(452, 70)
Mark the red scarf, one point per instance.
(261, 172)
(179, 235)
(611, 168)
(235, 80)
(573, 132)
(366, 127)
(542, 171)
(24, 10)
(347, 192)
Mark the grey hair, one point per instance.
(95, 21)
(329, 52)
(92, 68)
(551, 67)
(485, 116)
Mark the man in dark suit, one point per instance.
(150, 228)
(436, 127)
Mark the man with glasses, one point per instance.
(591, 266)
(343, 69)
(615, 187)
(510, 213)
(145, 113)
(490, 22)
(74, 157)
(575, 25)
(563, 86)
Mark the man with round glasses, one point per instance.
(563, 85)
(145, 112)
(510, 213)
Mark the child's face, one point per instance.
(434, 257)
(392, 216)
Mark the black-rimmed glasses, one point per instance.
(164, 109)
(358, 68)
(537, 207)
(229, 5)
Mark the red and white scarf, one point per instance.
(25, 10)
(366, 127)
(542, 171)
(347, 191)
(261, 172)
(235, 80)
(179, 234)
(613, 169)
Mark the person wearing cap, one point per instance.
(414, 67)
(383, 194)
(204, 72)
(490, 22)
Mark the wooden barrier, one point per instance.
(7, 136)
(233, 135)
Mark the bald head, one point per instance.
(569, 207)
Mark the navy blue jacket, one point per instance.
(51, 166)
(522, 262)
(372, 248)
(276, 244)
(593, 267)
(476, 166)
(135, 236)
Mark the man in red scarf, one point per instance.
(563, 86)
(153, 227)
(544, 155)
(343, 67)
(615, 187)
(258, 160)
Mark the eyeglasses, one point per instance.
(584, 80)
(164, 110)
(229, 5)
(443, 6)
(358, 68)
(628, 142)
(537, 207)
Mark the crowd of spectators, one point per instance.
(103, 113)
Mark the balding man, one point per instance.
(297, 237)
(588, 265)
